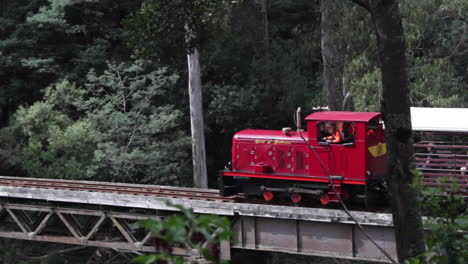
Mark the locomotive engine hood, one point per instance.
(269, 136)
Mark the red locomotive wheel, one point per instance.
(325, 199)
(296, 197)
(268, 196)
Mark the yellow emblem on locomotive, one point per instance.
(378, 150)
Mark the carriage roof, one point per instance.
(439, 119)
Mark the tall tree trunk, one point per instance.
(332, 63)
(396, 110)
(266, 47)
(266, 37)
(200, 179)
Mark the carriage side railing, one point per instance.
(443, 163)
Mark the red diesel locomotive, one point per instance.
(346, 149)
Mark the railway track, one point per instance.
(121, 188)
(164, 192)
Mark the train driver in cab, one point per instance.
(335, 137)
(347, 132)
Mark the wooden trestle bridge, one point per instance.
(103, 215)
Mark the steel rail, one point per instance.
(159, 191)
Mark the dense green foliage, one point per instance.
(118, 128)
(446, 224)
(138, 132)
(43, 41)
(435, 32)
(189, 232)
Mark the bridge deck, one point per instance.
(202, 206)
(299, 230)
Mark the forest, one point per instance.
(97, 89)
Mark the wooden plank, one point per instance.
(18, 222)
(43, 223)
(132, 216)
(75, 241)
(123, 230)
(26, 207)
(225, 250)
(76, 233)
(146, 238)
(95, 227)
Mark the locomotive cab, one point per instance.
(346, 149)
(359, 158)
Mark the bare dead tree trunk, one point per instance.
(348, 102)
(332, 63)
(348, 98)
(266, 46)
(396, 110)
(200, 179)
(266, 37)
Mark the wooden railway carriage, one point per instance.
(274, 162)
(441, 148)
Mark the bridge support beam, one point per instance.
(60, 225)
(312, 238)
(82, 227)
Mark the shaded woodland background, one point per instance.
(82, 98)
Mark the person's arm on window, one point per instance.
(337, 137)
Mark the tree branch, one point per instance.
(460, 43)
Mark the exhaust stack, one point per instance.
(298, 119)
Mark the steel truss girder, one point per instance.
(26, 216)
